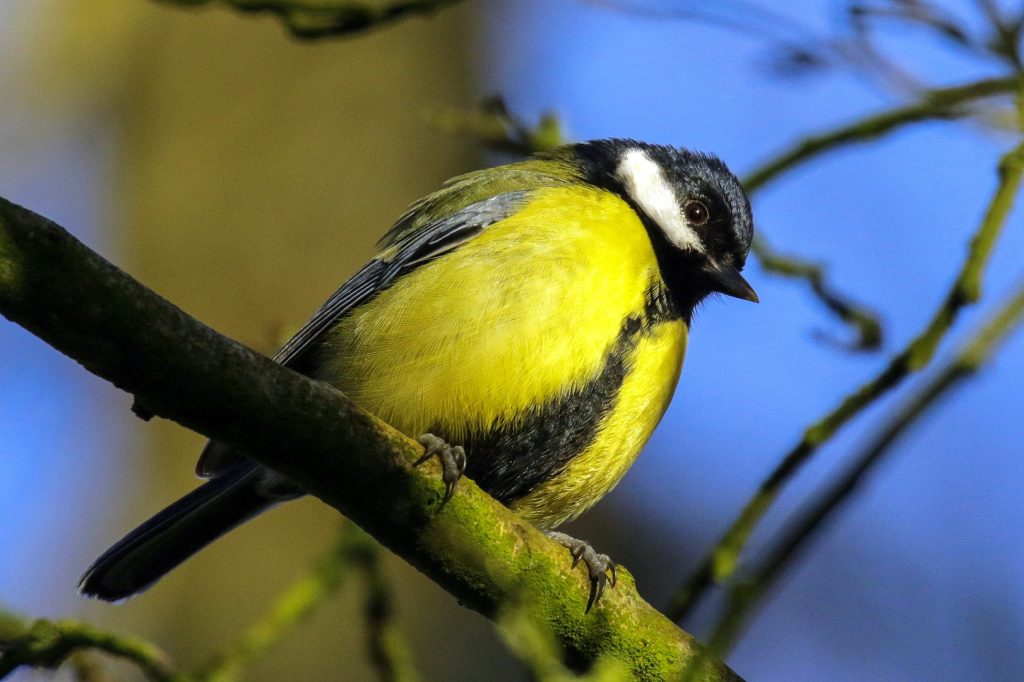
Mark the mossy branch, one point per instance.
(179, 369)
(721, 563)
(309, 19)
(744, 596)
(47, 644)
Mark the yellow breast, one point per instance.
(645, 394)
(523, 313)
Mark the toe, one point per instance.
(597, 585)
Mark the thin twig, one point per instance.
(294, 606)
(312, 20)
(538, 650)
(499, 129)
(940, 103)
(864, 321)
(388, 652)
(47, 644)
(720, 565)
(747, 593)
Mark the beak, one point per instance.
(729, 281)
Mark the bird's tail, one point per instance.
(157, 546)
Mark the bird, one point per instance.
(526, 322)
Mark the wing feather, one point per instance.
(408, 249)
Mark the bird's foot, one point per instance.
(453, 461)
(600, 567)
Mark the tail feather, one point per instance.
(160, 544)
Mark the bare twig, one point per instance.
(747, 593)
(311, 20)
(47, 644)
(295, 605)
(534, 645)
(179, 369)
(499, 129)
(720, 565)
(941, 103)
(864, 321)
(389, 654)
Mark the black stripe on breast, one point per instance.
(513, 458)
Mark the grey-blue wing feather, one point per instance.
(405, 250)
(406, 253)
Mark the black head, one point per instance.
(695, 210)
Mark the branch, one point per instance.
(865, 322)
(177, 368)
(47, 644)
(939, 103)
(720, 565)
(295, 605)
(745, 595)
(499, 129)
(388, 651)
(312, 20)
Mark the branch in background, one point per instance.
(294, 606)
(720, 565)
(85, 668)
(328, 18)
(177, 368)
(535, 646)
(746, 594)
(47, 644)
(388, 652)
(941, 103)
(935, 104)
(499, 129)
(864, 321)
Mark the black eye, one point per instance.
(696, 212)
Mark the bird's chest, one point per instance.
(543, 340)
(523, 313)
(559, 486)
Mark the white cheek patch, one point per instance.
(646, 184)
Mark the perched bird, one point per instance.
(533, 315)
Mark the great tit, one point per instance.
(532, 315)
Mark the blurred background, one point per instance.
(243, 175)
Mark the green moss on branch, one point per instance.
(47, 644)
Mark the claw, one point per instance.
(577, 554)
(596, 590)
(600, 568)
(453, 462)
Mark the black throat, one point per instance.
(682, 272)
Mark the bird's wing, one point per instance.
(410, 244)
(409, 251)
